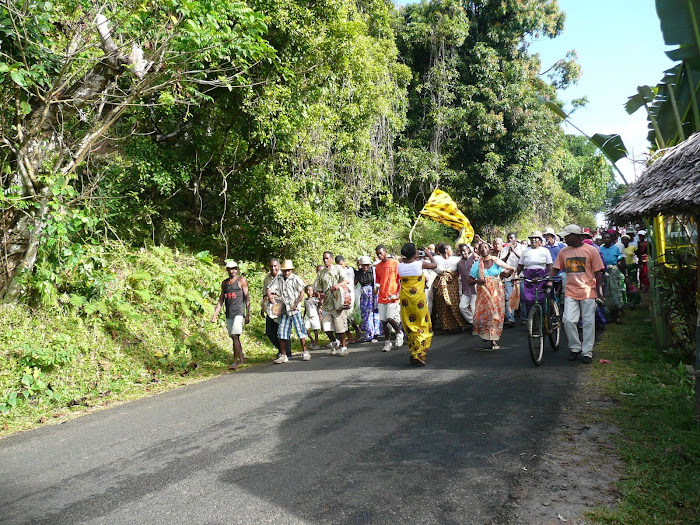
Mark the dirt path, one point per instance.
(576, 474)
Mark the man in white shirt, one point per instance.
(510, 254)
(290, 288)
(352, 323)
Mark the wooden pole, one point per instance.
(697, 330)
(410, 235)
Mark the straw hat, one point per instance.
(287, 265)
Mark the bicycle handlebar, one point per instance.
(553, 279)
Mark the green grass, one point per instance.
(658, 440)
(149, 330)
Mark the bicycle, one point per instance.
(543, 320)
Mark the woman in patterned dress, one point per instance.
(446, 291)
(415, 317)
(364, 276)
(490, 311)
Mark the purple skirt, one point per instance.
(529, 288)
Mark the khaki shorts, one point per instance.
(335, 321)
(389, 311)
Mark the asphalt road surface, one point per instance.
(365, 438)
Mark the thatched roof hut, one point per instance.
(670, 186)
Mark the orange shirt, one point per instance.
(386, 275)
(580, 265)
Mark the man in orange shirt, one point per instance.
(386, 280)
(584, 286)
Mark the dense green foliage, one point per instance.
(475, 124)
(361, 113)
(125, 323)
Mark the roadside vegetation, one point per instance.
(137, 322)
(658, 440)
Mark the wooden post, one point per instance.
(657, 255)
(410, 234)
(697, 330)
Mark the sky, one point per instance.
(620, 47)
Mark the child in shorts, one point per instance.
(311, 317)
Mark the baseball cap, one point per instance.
(571, 229)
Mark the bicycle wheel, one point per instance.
(554, 325)
(535, 341)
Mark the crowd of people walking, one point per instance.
(480, 290)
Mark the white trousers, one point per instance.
(574, 309)
(467, 305)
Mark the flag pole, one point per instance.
(410, 235)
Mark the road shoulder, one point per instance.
(577, 469)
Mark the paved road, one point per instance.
(335, 440)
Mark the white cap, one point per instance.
(231, 264)
(571, 229)
(364, 260)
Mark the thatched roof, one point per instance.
(671, 185)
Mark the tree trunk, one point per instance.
(21, 246)
(23, 228)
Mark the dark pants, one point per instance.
(271, 332)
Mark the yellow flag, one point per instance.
(441, 208)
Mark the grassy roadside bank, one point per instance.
(137, 323)
(658, 441)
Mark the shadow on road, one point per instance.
(365, 438)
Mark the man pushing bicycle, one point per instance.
(584, 286)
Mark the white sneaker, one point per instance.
(281, 359)
(399, 339)
(343, 352)
(306, 356)
(387, 346)
(334, 347)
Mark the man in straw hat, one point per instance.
(584, 286)
(334, 322)
(234, 293)
(290, 288)
(551, 243)
(267, 310)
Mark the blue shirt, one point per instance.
(610, 255)
(554, 250)
(494, 271)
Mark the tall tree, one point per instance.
(70, 70)
(310, 137)
(475, 124)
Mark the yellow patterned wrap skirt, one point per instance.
(415, 317)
